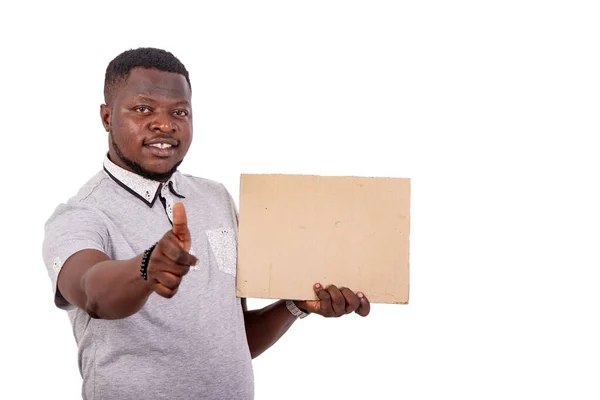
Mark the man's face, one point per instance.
(149, 121)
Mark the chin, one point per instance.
(160, 172)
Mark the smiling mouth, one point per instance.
(161, 145)
(162, 149)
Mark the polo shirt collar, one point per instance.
(145, 189)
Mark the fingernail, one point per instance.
(318, 286)
(360, 294)
(197, 262)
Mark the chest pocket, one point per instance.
(223, 243)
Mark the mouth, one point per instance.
(162, 149)
(161, 145)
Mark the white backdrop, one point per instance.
(492, 108)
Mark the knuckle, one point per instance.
(176, 259)
(181, 257)
(325, 296)
(168, 240)
(189, 260)
(176, 283)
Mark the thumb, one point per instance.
(180, 228)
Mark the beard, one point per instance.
(138, 169)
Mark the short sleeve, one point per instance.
(70, 229)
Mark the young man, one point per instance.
(144, 257)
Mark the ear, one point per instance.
(105, 116)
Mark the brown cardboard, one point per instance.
(296, 230)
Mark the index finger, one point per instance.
(180, 228)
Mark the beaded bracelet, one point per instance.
(145, 261)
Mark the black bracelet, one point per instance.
(145, 261)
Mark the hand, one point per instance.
(170, 260)
(334, 302)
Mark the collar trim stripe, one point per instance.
(124, 186)
(137, 185)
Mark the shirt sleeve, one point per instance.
(70, 229)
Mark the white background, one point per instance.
(491, 108)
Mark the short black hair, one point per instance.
(120, 67)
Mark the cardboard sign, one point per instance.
(297, 230)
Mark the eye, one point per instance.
(181, 113)
(143, 109)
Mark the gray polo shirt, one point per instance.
(192, 346)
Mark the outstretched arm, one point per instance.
(111, 289)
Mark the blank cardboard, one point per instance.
(296, 230)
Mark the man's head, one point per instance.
(148, 112)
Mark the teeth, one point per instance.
(161, 145)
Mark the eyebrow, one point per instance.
(151, 100)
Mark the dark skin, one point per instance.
(151, 107)
(149, 120)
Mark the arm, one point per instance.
(111, 289)
(264, 327)
(104, 288)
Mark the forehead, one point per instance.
(156, 84)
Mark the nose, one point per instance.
(162, 122)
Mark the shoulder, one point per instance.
(83, 203)
(200, 182)
(210, 194)
(203, 185)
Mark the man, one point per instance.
(144, 257)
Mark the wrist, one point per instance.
(145, 261)
(296, 309)
(301, 304)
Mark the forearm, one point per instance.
(264, 327)
(115, 289)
